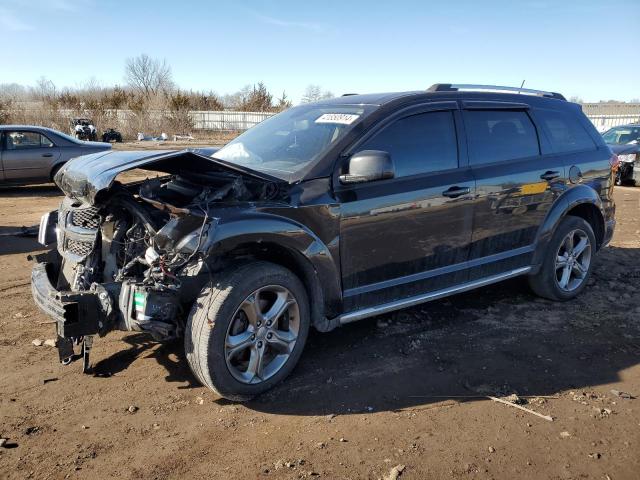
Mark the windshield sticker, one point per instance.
(340, 118)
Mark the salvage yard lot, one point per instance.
(403, 389)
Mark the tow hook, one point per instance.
(68, 355)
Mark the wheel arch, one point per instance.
(292, 246)
(55, 168)
(580, 201)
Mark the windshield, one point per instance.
(293, 139)
(622, 135)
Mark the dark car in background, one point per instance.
(325, 214)
(30, 154)
(624, 141)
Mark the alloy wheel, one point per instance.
(573, 260)
(262, 334)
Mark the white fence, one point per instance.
(605, 122)
(240, 121)
(204, 120)
(603, 116)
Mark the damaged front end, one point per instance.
(134, 256)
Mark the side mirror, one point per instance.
(367, 166)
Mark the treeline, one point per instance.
(148, 101)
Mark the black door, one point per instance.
(408, 235)
(515, 186)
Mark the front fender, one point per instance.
(253, 228)
(580, 194)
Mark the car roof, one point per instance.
(381, 99)
(27, 127)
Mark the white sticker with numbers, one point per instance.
(340, 118)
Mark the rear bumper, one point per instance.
(76, 313)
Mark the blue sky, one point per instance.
(583, 48)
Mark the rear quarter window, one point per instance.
(565, 131)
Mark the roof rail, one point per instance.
(455, 87)
(348, 94)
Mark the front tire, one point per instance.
(247, 330)
(568, 261)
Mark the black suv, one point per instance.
(325, 214)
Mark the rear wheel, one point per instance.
(55, 170)
(568, 261)
(246, 332)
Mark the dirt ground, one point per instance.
(401, 390)
(207, 140)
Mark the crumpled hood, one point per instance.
(83, 178)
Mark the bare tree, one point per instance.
(148, 76)
(45, 90)
(13, 91)
(313, 93)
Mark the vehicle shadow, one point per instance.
(43, 190)
(170, 355)
(18, 240)
(494, 341)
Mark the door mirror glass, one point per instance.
(368, 166)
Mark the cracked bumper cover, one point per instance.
(76, 313)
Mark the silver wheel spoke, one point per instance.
(566, 276)
(254, 369)
(580, 247)
(561, 262)
(579, 270)
(282, 340)
(251, 308)
(280, 306)
(237, 343)
(568, 243)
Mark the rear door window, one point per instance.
(500, 135)
(420, 143)
(565, 131)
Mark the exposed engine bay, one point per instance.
(134, 259)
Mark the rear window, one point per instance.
(565, 131)
(500, 135)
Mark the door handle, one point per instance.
(549, 175)
(454, 192)
(47, 154)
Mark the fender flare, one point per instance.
(311, 254)
(580, 194)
